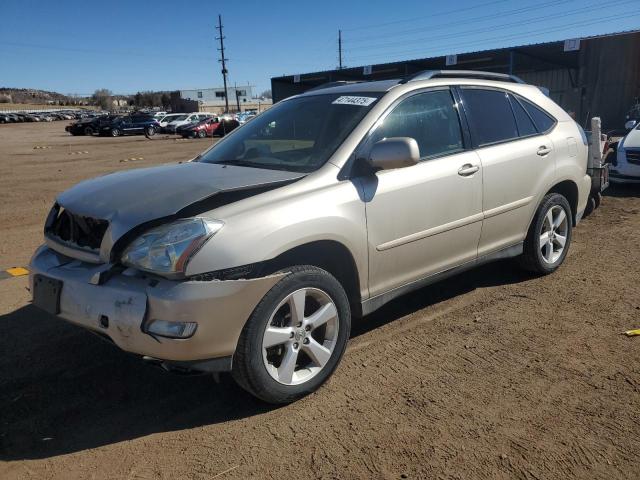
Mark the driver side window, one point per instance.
(430, 118)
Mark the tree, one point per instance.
(266, 94)
(102, 97)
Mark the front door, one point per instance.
(426, 218)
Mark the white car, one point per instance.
(186, 118)
(164, 121)
(626, 166)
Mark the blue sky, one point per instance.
(127, 46)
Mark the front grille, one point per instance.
(633, 156)
(82, 232)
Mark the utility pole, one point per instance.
(340, 49)
(237, 97)
(223, 61)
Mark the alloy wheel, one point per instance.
(300, 336)
(553, 236)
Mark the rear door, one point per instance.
(127, 125)
(517, 159)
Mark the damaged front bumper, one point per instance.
(119, 305)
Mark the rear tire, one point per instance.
(88, 131)
(598, 199)
(303, 323)
(549, 236)
(115, 132)
(591, 206)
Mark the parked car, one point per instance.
(209, 127)
(164, 121)
(625, 167)
(185, 119)
(244, 117)
(86, 126)
(254, 257)
(131, 125)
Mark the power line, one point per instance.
(437, 14)
(442, 26)
(493, 28)
(449, 47)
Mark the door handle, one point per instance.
(467, 170)
(543, 150)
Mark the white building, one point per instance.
(214, 97)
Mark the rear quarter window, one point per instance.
(544, 122)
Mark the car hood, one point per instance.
(130, 198)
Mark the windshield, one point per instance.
(179, 118)
(296, 135)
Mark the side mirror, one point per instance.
(630, 124)
(394, 152)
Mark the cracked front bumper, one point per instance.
(130, 298)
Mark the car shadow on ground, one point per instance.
(493, 274)
(63, 389)
(622, 190)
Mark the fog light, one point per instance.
(163, 328)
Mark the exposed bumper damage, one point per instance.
(118, 307)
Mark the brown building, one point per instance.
(592, 76)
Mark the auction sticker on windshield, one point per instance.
(350, 100)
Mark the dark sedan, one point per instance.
(131, 125)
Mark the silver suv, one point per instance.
(255, 256)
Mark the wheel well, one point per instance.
(568, 190)
(331, 256)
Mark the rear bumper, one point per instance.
(129, 299)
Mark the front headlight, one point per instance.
(167, 249)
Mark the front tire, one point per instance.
(549, 235)
(115, 132)
(295, 337)
(202, 133)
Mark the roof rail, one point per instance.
(333, 84)
(429, 74)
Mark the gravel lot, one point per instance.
(493, 374)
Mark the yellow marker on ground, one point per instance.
(632, 333)
(17, 271)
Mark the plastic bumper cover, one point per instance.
(129, 299)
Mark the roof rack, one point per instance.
(429, 74)
(333, 84)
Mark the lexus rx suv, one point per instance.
(255, 256)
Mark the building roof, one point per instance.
(521, 59)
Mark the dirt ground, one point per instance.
(493, 374)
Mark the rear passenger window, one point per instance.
(492, 119)
(524, 122)
(430, 118)
(543, 120)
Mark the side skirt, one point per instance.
(372, 304)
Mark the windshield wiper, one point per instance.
(249, 163)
